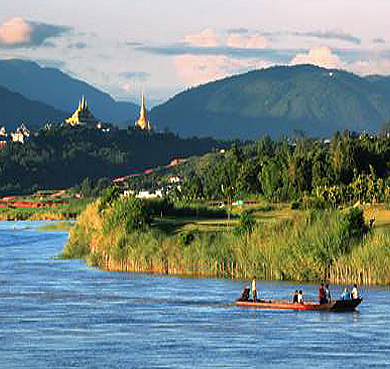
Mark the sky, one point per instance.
(162, 47)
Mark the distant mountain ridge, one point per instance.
(62, 92)
(16, 109)
(275, 101)
(278, 101)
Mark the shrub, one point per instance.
(245, 225)
(187, 237)
(354, 225)
(108, 197)
(129, 214)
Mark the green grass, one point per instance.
(57, 226)
(61, 212)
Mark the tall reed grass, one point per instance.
(310, 247)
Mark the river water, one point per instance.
(63, 314)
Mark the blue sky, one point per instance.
(164, 46)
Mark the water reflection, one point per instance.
(62, 314)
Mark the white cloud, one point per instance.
(257, 42)
(321, 56)
(198, 69)
(236, 40)
(19, 32)
(15, 31)
(243, 41)
(205, 38)
(370, 67)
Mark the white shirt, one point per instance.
(254, 285)
(354, 293)
(300, 298)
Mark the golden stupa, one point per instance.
(143, 122)
(82, 116)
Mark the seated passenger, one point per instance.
(300, 297)
(345, 295)
(245, 294)
(295, 298)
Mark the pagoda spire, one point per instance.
(142, 122)
(142, 113)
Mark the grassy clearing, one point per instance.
(57, 226)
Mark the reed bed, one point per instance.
(311, 246)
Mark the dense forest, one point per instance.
(308, 172)
(184, 234)
(60, 157)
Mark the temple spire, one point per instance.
(82, 116)
(142, 114)
(142, 122)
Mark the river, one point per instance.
(63, 314)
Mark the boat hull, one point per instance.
(338, 305)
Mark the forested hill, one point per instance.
(16, 109)
(61, 157)
(279, 101)
(55, 88)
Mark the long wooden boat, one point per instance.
(337, 305)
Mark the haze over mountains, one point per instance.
(62, 92)
(16, 109)
(276, 101)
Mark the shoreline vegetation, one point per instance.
(42, 206)
(56, 226)
(133, 235)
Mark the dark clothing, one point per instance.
(254, 293)
(245, 294)
(321, 295)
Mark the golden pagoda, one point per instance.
(82, 116)
(143, 122)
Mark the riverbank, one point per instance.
(42, 206)
(306, 246)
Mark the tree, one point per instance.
(271, 180)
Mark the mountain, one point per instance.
(278, 101)
(55, 88)
(16, 109)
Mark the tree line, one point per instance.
(309, 172)
(61, 157)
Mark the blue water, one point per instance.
(62, 314)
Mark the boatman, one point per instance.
(327, 293)
(354, 292)
(321, 294)
(254, 289)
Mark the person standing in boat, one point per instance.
(354, 292)
(254, 289)
(321, 294)
(327, 293)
